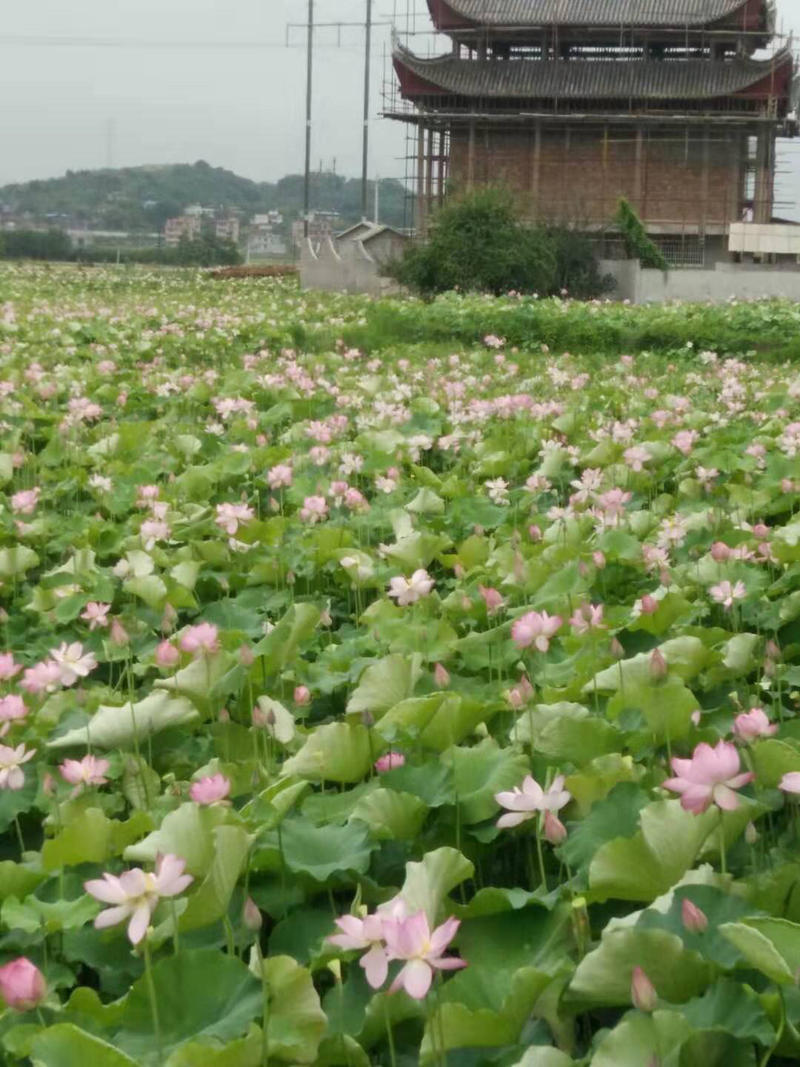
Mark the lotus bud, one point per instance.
(751, 834)
(515, 697)
(302, 696)
(22, 984)
(119, 635)
(658, 666)
(535, 533)
(251, 916)
(649, 604)
(441, 676)
(693, 918)
(168, 619)
(554, 829)
(617, 651)
(259, 717)
(246, 657)
(325, 618)
(458, 570)
(643, 993)
(720, 551)
(224, 715)
(599, 560)
(773, 650)
(760, 530)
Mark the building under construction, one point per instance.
(571, 104)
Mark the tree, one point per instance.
(634, 236)
(478, 243)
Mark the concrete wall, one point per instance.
(728, 281)
(343, 268)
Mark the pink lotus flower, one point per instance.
(492, 598)
(790, 783)
(366, 933)
(724, 593)
(752, 724)
(389, 761)
(135, 894)
(210, 790)
(22, 984)
(73, 663)
(409, 590)
(166, 654)
(709, 777)
(200, 639)
(230, 516)
(586, 618)
(12, 707)
(279, 476)
(314, 509)
(12, 775)
(422, 950)
(525, 802)
(535, 629)
(95, 614)
(8, 666)
(25, 501)
(44, 677)
(83, 772)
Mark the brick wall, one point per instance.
(669, 175)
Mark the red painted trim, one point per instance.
(777, 84)
(444, 18)
(412, 85)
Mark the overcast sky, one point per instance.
(238, 102)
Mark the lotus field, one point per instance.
(383, 699)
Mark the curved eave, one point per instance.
(458, 17)
(515, 80)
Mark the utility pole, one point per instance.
(309, 74)
(365, 152)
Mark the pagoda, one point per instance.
(572, 104)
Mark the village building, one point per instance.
(675, 105)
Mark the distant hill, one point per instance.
(142, 198)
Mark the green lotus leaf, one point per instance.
(336, 752)
(296, 1019)
(384, 684)
(65, 1045)
(428, 881)
(322, 851)
(641, 1039)
(124, 725)
(603, 977)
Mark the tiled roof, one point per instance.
(594, 12)
(581, 79)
